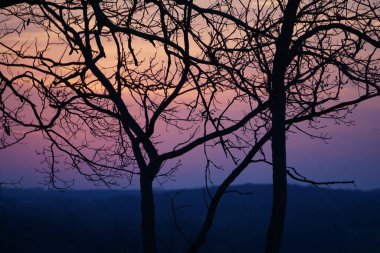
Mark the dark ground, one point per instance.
(318, 220)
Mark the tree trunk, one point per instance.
(147, 214)
(278, 110)
(276, 225)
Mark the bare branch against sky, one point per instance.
(120, 90)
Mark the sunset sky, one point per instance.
(110, 110)
(353, 153)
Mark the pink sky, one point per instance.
(353, 153)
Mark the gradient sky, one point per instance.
(353, 153)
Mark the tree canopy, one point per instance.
(119, 88)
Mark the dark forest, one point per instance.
(319, 220)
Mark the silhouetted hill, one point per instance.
(101, 221)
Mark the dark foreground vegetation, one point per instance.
(319, 220)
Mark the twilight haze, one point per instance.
(162, 96)
(353, 153)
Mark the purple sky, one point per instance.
(353, 153)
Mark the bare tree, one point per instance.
(108, 83)
(313, 61)
(322, 49)
(102, 102)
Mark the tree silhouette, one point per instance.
(318, 40)
(87, 85)
(107, 83)
(313, 61)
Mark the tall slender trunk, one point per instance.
(278, 110)
(147, 214)
(276, 225)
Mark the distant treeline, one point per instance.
(102, 221)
